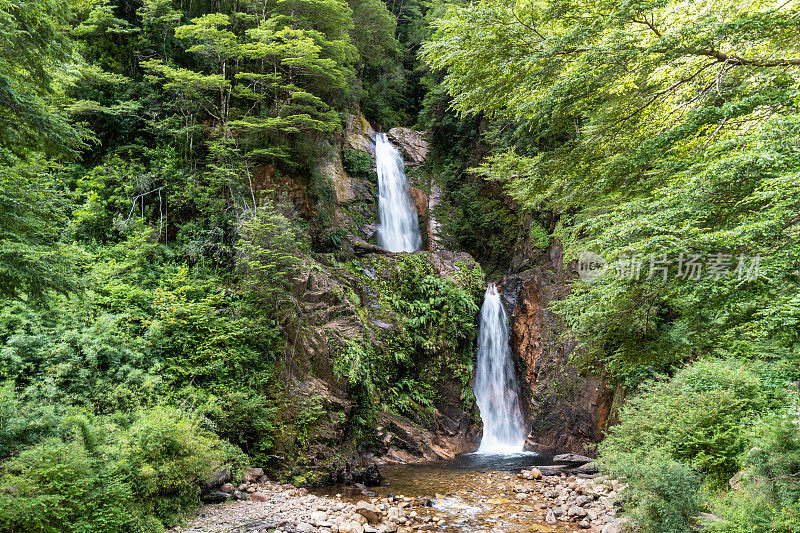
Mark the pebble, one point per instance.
(579, 503)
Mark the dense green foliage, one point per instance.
(141, 266)
(149, 258)
(432, 338)
(134, 477)
(652, 133)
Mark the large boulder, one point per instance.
(215, 497)
(412, 145)
(572, 458)
(359, 135)
(217, 478)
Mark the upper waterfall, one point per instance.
(495, 383)
(399, 228)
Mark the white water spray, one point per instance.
(399, 228)
(495, 384)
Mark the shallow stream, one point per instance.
(471, 493)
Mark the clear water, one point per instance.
(473, 492)
(495, 384)
(399, 227)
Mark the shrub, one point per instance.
(662, 494)
(699, 417)
(104, 478)
(167, 454)
(676, 433)
(269, 249)
(766, 498)
(357, 163)
(23, 424)
(59, 486)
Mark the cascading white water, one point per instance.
(495, 384)
(399, 228)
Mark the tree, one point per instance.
(33, 53)
(675, 131)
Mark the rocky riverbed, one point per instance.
(485, 501)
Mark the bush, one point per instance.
(680, 432)
(662, 494)
(766, 498)
(357, 163)
(269, 249)
(23, 424)
(104, 478)
(59, 486)
(699, 417)
(167, 455)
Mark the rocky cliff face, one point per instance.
(337, 306)
(565, 411)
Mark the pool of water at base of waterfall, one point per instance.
(475, 492)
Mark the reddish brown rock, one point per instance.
(567, 410)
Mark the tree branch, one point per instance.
(750, 61)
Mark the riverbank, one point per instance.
(478, 501)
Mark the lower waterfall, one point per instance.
(495, 384)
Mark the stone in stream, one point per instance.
(577, 511)
(588, 468)
(252, 475)
(319, 516)
(552, 470)
(572, 458)
(395, 514)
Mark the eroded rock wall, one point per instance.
(336, 307)
(565, 410)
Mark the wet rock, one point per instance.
(395, 514)
(412, 145)
(552, 470)
(542, 339)
(215, 497)
(360, 135)
(577, 511)
(572, 458)
(615, 526)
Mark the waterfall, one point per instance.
(495, 384)
(399, 228)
